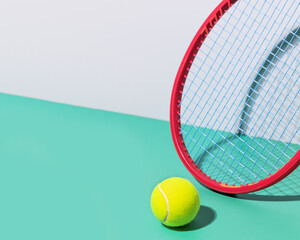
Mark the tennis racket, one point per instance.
(234, 112)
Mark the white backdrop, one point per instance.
(114, 55)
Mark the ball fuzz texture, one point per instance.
(175, 202)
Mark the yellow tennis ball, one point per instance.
(175, 202)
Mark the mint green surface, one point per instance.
(73, 173)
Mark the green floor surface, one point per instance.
(74, 173)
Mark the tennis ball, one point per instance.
(175, 202)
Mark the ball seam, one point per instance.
(167, 201)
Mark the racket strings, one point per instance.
(264, 164)
(258, 19)
(246, 95)
(262, 57)
(205, 59)
(283, 131)
(215, 42)
(289, 186)
(228, 154)
(221, 163)
(196, 142)
(279, 109)
(205, 63)
(220, 65)
(196, 139)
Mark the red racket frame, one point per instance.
(176, 125)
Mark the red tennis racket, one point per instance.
(235, 115)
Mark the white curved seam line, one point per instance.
(167, 201)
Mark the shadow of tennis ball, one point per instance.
(204, 217)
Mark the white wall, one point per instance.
(108, 54)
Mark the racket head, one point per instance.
(179, 138)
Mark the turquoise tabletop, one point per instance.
(75, 173)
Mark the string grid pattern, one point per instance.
(240, 115)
